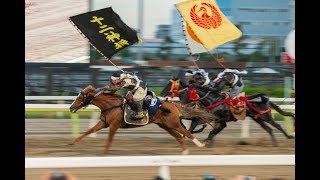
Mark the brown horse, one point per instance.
(112, 116)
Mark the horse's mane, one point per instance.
(111, 94)
(114, 95)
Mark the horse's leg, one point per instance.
(268, 129)
(284, 113)
(178, 137)
(268, 118)
(194, 124)
(112, 131)
(97, 127)
(218, 128)
(185, 132)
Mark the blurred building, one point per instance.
(163, 31)
(264, 18)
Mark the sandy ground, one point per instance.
(147, 146)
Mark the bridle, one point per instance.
(87, 98)
(174, 90)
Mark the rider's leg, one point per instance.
(139, 111)
(138, 97)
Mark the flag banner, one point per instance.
(206, 24)
(193, 43)
(105, 31)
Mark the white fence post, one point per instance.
(245, 127)
(164, 172)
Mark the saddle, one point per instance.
(150, 106)
(128, 112)
(238, 106)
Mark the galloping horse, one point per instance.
(218, 104)
(112, 116)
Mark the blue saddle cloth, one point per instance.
(152, 105)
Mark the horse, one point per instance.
(219, 104)
(112, 116)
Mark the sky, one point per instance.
(155, 12)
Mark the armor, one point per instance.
(139, 91)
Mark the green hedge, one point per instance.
(277, 92)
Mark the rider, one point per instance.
(199, 77)
(189, 77)
(230, 78)
(112, 87)
(138, 89)
(133, 84)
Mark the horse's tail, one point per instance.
(163, 109)
(282, 112)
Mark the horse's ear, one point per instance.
(91, 87)
(175, 78)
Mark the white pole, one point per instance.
(245, 127)
(140, 27)
(164, 172)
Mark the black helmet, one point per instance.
(115, 74)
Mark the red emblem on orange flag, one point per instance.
(207, 19)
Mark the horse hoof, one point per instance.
(71, 143)
(208, 143)
(185, 152)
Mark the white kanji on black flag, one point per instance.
(105, 30)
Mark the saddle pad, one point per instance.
(127, 116)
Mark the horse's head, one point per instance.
(83, 99)
(172, 89)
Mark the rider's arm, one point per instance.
(215, 88)
(112, 87)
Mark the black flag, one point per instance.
(105, 30)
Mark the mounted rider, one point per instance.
(199, 77)
(230, 78)
(133, 84)
(113, 86)
(195, 79)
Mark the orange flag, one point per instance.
(206, 24)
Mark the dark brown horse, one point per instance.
(112, 116)
(217, 104)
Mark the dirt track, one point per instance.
(146, 146)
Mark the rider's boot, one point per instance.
(139, 112)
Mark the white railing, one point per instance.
(165, 160)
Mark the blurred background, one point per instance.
(59, 60)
